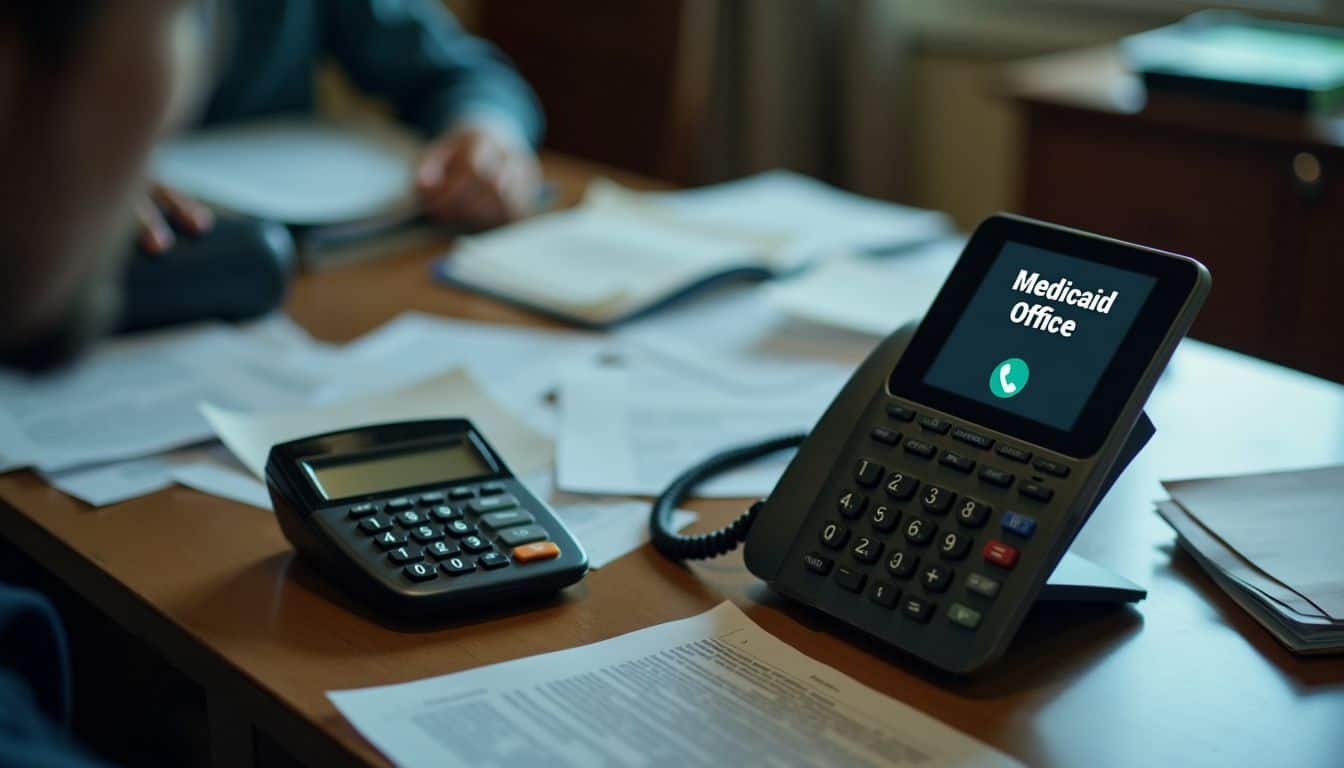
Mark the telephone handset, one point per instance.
(936, 495)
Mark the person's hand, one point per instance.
(163, 205)
(478, 176)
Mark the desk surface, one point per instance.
(1185, 678)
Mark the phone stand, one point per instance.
(1076, 578)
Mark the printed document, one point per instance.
(711, 690)
(138, 396)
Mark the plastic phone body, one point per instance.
(888, 415)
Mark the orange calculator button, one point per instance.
(537, 550)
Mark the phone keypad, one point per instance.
(917, 541)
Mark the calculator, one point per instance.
(936, 495)
(419, 518)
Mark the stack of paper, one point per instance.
(621, 254)
(1272, 542)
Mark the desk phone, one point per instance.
(419, 518)
(936, 495)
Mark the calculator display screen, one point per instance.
(385, 471)
(1038, 334)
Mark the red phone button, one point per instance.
(1000, 554)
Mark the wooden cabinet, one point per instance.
(1256, 195)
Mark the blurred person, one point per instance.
(481, 117)
(85, 86)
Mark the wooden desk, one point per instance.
(1183, 679)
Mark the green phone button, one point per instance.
(1009, 377)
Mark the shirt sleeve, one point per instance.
(413, 53)
(34, 685)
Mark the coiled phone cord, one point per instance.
(706, 545)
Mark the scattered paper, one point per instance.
(297, 170)
(224, 482)
(711, 690)
(451, 395)
(789, 205)
(865, 294)
(597, 263)
(624, 433)
(519, 367)
(138, 396)
(210, 469)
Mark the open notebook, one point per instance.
(620, 253)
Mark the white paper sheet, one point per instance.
(209, 468)
(520, 368)
(451, 395)
(625, 432)
(711, 690)
(296, 170)
(807, 211)
(868, 295)
(138, 396)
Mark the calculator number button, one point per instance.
(474, 543)
(852, 504)
(410, 519)
(867, 473)
(937, 499)
(972, 513)
(372, 525)
(457, 566)
(459, 528)
(936, 578)
(901, 486)
(443, 513)
(402, 555)
(867, 549)
(420, 571)
(953, 545)
(441, 549)
(390, 539)
(901, 563)
(885, 518)
(426, 533)
(919, 531)
(834, 535)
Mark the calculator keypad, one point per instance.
(904, 542)
(456, 532)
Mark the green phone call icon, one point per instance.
(1009, 377)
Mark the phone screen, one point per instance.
(1038, 334)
